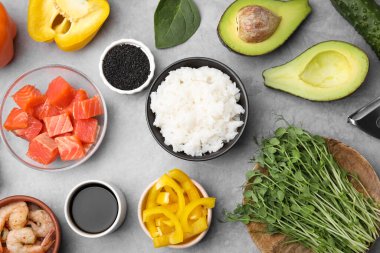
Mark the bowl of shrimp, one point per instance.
(28, 225)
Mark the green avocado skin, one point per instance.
(364, 16)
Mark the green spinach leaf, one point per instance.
(175, 21)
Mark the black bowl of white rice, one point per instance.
(197, 109)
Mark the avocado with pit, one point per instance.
(257, 27)
(327, 71)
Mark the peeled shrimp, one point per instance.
(6, 211)
(18, 217)
(40, 222)
(22, 240)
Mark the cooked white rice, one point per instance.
(197, 110)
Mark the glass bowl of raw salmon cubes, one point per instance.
(53, 118)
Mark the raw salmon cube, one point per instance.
(43, 149)
(60, 93)
(86, 130)
(59, 124)
(28, 97)
(87, 108)
(33, 129)
(46, 110)
(80, 95)
(17, 119)
(70, 148)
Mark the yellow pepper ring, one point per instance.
(185, 181)
(165, 180)
(190, 189)
(177, 236)
(207, 202)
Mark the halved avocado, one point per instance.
(327, 71)
(281, 18)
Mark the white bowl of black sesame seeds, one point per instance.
(127, 66)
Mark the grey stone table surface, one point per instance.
(129, 156)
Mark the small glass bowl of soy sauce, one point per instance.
(95, 208)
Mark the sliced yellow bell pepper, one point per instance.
(150, 223)
(175, 210)
(158, 221)
(172, 207)
(161, 241)
(186, 183)
(197, 213)
(173, 196)
(206, 202)
(72, 24)
(190, 189)
(178, 175)
(168, 223)
(165, 180)
(163, 198)
(175, 237)
(165, 230)
(163, 221)
(199, 226)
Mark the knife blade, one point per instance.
(367, 118)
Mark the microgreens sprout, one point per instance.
(307, 196)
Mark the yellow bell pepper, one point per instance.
(163, 221)
(172, 207)
(206, 202)
(175, 237)
(161, 241)
(150, 223)
(186, 183)
(72, 24)
(168, 223)
(199, 226)
(165, 229)
(163, 198)
(178, 175)
(190, 189)
(165, 180)
(197, 213)
(173, 196)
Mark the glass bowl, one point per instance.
(41, 77)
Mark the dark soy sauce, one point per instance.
(94, 208)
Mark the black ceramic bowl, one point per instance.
(197, 62)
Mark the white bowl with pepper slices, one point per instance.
(175, 211)
(127, 66)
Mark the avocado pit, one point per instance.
(256, 24)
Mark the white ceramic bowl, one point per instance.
(122, 209)
(148, 53)
(185, 245)
(41, 77)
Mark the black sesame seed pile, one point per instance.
(126, 67)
